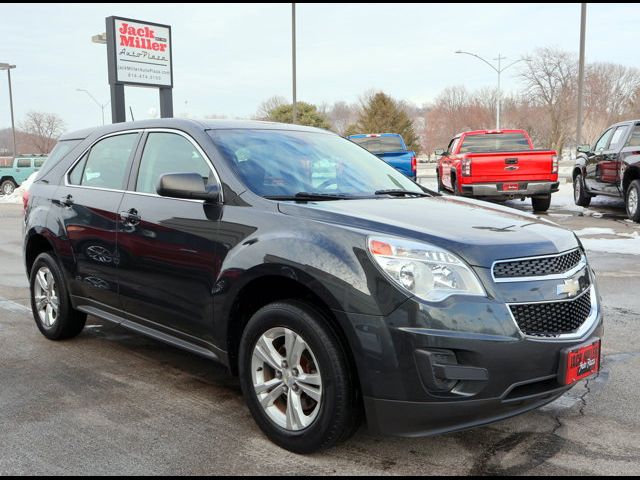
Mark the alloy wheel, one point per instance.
(286, 379)
(46, 297)
(632, 202)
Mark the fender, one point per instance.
(629, 171)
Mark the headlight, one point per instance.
(426, 271)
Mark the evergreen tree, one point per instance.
(382, 114)
(306, 114)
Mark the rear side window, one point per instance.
(59, 151)
(24, 163)
(169, 153)
(38, 162)
(105, 165)
(495, 142)
(634, 139)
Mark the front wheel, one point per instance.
(580, 195)
(7, 187)
(632, 201)
(541, 204)
(296, 378)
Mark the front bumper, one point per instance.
(525, 189)
(418, 378)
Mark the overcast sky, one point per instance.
(230, 57)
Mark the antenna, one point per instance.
(131, 112)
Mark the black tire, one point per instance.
(455, 187)
(541, 204)
(632, 201)
(7, 187)
(68, 321)
(580, 195)
(338, 412)
(441, 187)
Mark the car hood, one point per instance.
(479, 232)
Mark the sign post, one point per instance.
(139, 54)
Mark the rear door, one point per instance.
(88, 204)
(168, 254)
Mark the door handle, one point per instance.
(66, 201)
(130, 217)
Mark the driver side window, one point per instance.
(602, 143)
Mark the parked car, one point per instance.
(611, 167)
(296, 259)
(498, 164)
(391, 148)
(21, 168)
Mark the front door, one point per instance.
(595, 160)
(167, 246)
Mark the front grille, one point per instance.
(538, 267)
(551, 319)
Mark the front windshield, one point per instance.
(275, 163)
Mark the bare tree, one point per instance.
(550, 78)
(269, 105)
(341, 115)
(45, 128)
(611, 95)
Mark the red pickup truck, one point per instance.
(498, 164)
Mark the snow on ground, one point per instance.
(627, 246)
(16, 196)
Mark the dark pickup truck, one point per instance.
(611, 167)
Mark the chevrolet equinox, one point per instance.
(335, 287)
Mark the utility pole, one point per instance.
(8, 67)
(583, 24)
(293, 55)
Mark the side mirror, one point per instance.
(584, 148)
(439, 151)
(187, 185)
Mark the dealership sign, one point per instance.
(142, 53)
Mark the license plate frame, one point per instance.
(580, 361)
(510, 186)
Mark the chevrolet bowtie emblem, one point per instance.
(570, 287)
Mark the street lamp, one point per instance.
(8, 67)
(102, 106)
(294, 109)
(498, 70)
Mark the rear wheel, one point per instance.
(541, 204)
(632, 199)
(580, 195)
(7, 187)
(50, 302)
(296, 379)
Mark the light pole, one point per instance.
(498, 70)
(583, 22)
(8, 67)
(293, 56)
(102, 106)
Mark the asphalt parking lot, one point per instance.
(113, 402)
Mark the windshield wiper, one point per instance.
(398, 192)
(309, 196)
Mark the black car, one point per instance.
(332, 284)
(611, 167)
